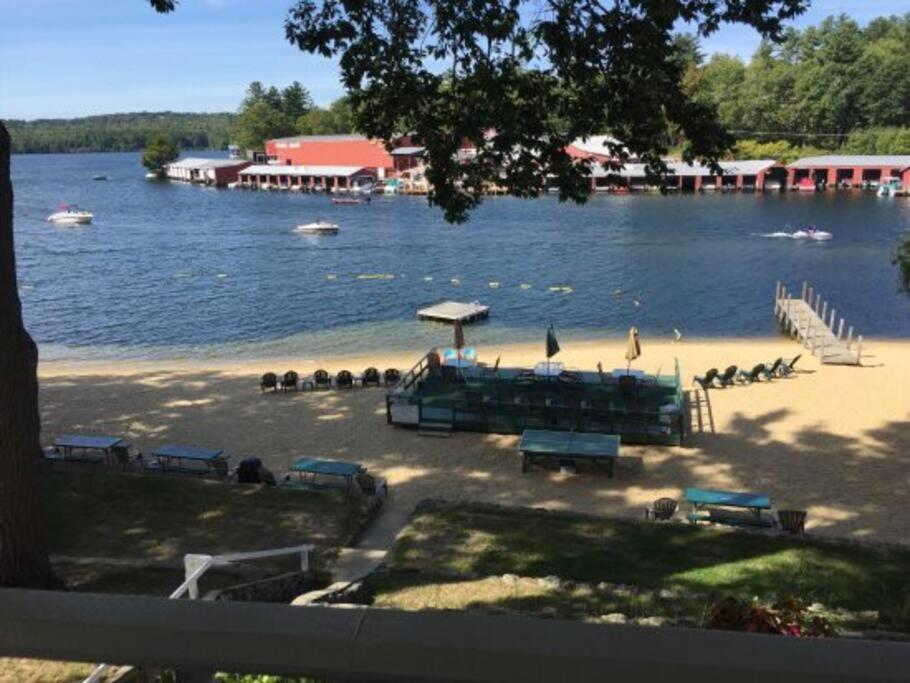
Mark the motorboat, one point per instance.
(802, 234)
(351, 200)
(151, 175)
(70, 215)
(317, 228)
(807, 185)
(889, 187)
(99, 177)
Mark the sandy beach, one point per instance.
(832, 440)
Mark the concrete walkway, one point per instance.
(357, 562)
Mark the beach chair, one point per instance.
(786, 368)
(371, 377)
(322, 379)
(344, 380)
(269, 381)
(662, 508)
(392, 377)
(289, 381)
(753, 375)
(771, 371)
(707, 380)
(728, 377)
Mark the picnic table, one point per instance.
(187, 460)
(544, 443)
(68, 444)
(716, 506)
(313, 473)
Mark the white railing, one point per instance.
(195, 565)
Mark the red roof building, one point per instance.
(330, 150)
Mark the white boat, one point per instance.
(317, 228)
(811, 234)
(151, 175)
(71, 215)
(889, 187)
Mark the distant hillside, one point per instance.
(119, 132)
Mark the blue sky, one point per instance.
(61, 58)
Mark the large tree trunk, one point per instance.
(23, 554)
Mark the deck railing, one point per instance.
(392, 645)
(195, 565)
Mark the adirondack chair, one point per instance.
(728, 376)
(662, 508)
(771, 371)
(322, 379)
(753, 375)
(269, 381)
(786, 368)
(371, 377)
(706, 381)
(289, 381)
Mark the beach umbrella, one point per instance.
(633, 347)
(459, 335)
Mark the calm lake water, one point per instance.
(170, 270)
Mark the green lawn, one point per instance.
(445, 559)
(92, 512)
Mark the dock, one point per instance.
(808, 319)
(452, 311)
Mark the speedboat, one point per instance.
(99, 177)
(807, 185)
(317, 228)
(351, 200)
(811, 234)
(70, 215)
(889, 187)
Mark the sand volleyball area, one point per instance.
(833, 440)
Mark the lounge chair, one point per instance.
(662, 508)
(786, 368)
(771, 371)
(269, 381)
(753, 375)
(706, 381)
(344, 380)
(371, 377)
(728, 377)
(322, 379)
(392, 376)
(289, 381)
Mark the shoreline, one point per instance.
(575, 353)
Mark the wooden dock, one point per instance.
(809, 320)
(450, 311)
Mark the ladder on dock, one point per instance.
(808, 319)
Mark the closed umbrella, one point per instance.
(552, 346)
(633, 347)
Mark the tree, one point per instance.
(522, 80)
(23, 554)
(295, 101)
(902, 261)
(159, 152)
(259, 122)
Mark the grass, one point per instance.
(446, 556)
(94, 513)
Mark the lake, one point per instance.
(170, 270)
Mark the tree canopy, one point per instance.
(160, 151)
(522, 80)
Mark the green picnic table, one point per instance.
(708, 506)
(544, 443)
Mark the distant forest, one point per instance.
(120, 132)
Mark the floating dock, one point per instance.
(452, 311)
(809, 321)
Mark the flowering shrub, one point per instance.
(787, 617)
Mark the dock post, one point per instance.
(833, 316)
(811, 297)
(818, 303)
(824, 310)
(805, 284)
(840, 329)
(859, 349)
(850, 336)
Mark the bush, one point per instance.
(786, 617)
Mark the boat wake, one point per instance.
(801, 234)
